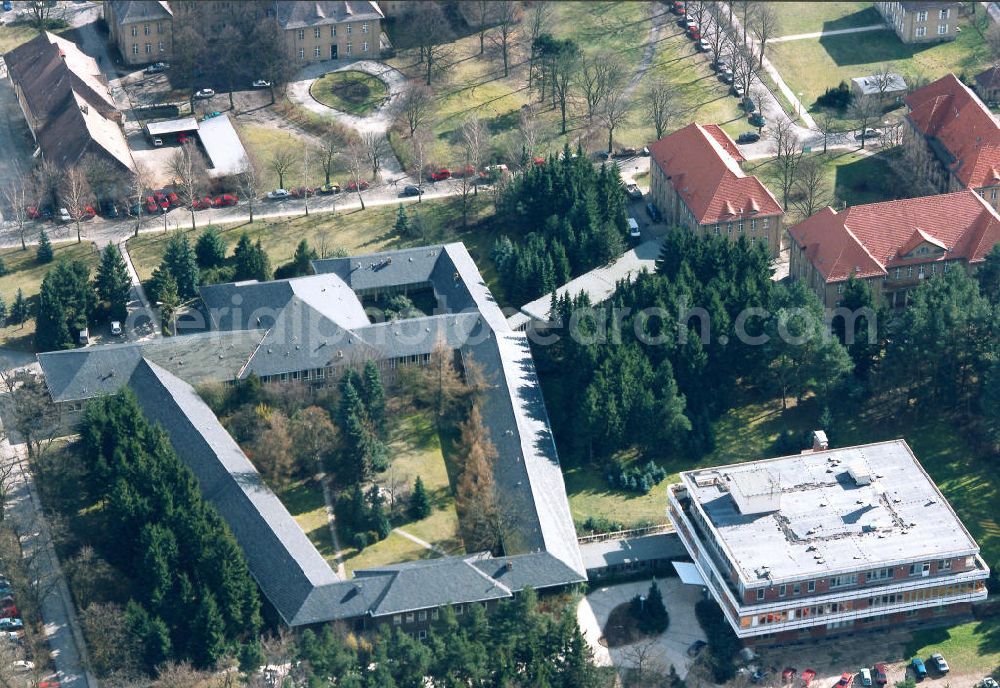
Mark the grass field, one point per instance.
(591, 496)
(353, 92)
(811, 66)
(356, 231)
(25, 273)
(265, 141)
(809, 17)
(304, 501)
(415, 450)
(12, 36)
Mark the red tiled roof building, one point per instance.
(893, 245)
(697, 183)
(954, 139)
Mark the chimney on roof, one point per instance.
(820, 442)
(84, 109)
(509, 565)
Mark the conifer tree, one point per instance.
(210, 249)
(179, 261)
(302, 260)
(113, 282)
(373, 395)
(420, 504)
(19, 309)
(43, 254)
(51, 331)
(402, 225)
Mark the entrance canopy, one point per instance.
(688, 572)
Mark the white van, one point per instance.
(633, 229)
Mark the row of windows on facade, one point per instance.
(922, 14)
(149, 48)
(435, 614)
(318, 52)
(764, 223)
(922, 30)
(899, 274)
(920, 595)
(146, 29)
(845, 623)
(318, 31)
(922, 569)
(323, 373)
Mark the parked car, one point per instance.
(677, 7)
(11, 625)
(151, 205)
(22, 666)
(627, 152)
(737, 90)
(10, 612)
(34, 212)
(204, 93)
(224, 201)
(633, 229)
(693, 31)
(695, 648)
(64, 215)
(116, 328)
(354, 185)
(653, 212)
(748, 137)
(260, 83)
(173, 200)
(757, 120)
(109, 209)
(919, 670)
(718, 64)
(88, 213)
(807, 676)
(989, 682)
(441, 175)
(726, 75)
(11, 636)
(7, 5)
(846, 679)
(278, 194)
(329, 189)
(866, 677)
(410, 190)
(940, 663)
(867, 134)
(302, 192)
(466, 171)
(211, 115)
(202, 203)
(634, 192)
(702, 46)
(879, 674)
(157, 142)
(156, 68)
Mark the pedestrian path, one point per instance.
(821, 34)
(422, 543)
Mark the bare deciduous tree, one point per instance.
(483, 13)
(430, 32)
(249, 178)
(744, 65)
(788, 155)
(598, 75)
(76, 196)
(615, 111)
(18, 196)
(140, 180)
(827, 123)
(305, 178)
(375, 145)
(811, 186)
(507, 16)
(415, 105)
(475, 139)
(421, 143)
(883, 78)
(188, 168)
(330, 148)
(357, 156)
(660, 106)
(764, 25)
(281, 162)
(864, 112)
(539, 16)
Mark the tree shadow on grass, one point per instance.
(876, 47)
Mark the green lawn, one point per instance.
(356, 231)
(353, 92)
(811, 66)
(591, 496)
(415, 450)
(12, 36)
(852, 178)
(809, 17)
(304, 501)
(265, 141)
(25, 273)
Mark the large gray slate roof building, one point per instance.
(279, 330)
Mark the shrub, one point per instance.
(360, 540)
(651, 612)
(600, 524)
(838, 98)
(640, 479)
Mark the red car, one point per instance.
(353, 185)
(880, 675)
(538, 160)
(441, 175)
(88, 213)
(11, 612)
(33, 212)
(151, 205)
(182, 138)
(846, 679)
(173, 199)
(467, 171)
(807, 676)
(202, 203)
(302, 192)
(224, 200)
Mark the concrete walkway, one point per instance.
(669, 648)
(331, 522)
(137, 297)
(820, 34)
(418, 541)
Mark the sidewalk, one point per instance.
(820, 34)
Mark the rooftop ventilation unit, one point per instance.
(755, 492)
(861, 472)
(706, 479)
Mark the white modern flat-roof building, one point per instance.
(827, 542)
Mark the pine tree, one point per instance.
(19, 309)
(51, 330)
(164, 292)
(402, 225)
(210, 249)
(420, 504)
(3, 313)
(252, 263)
(44, 252)
(303, 258)
(373, 396)
(179, 260)
(208, 641)
(113, 282)
(988, 275)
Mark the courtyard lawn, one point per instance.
(810, 17)
(353, 92)
(393, 550)
(13, 35)
(24, 272)
(851, 178)
(355, 231)
(304, 501)
(591, 496)
(811, 66)
(265, 141)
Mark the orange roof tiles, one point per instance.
(871, 239)
(948, 111)
(703, 163)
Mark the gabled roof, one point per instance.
(130, 11)
(870, 85)
(703, 165)
(305, 13)
(989, 78)
(871, 239)
(953, 118)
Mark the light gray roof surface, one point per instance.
(604, 553)
(128, 11)
(222, 144)
(869, 84)
(300, 13)
(826, 522)
(172, 126)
